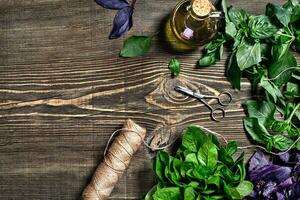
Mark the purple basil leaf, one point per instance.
(258, 160)
(285, 157)
(296, 191)
(298, 157)
(280, 196)
(113, 4)
(287, 184)
(297, 169)
(269, 188)
(122, 22)
(270, 172)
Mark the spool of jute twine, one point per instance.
(116, 160)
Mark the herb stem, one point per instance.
(293, 112)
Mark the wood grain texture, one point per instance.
(64, 90)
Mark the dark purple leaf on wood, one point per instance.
(258, 160)
(113, 4)
(122, 22)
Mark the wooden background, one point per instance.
(64, 90)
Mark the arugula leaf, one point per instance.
(281, 14)
(136, 46)
(248, 54)
(208, 155)
(174, 66)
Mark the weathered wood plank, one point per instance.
(63, 91)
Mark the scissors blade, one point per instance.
(184, 90)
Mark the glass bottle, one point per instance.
(192, 24)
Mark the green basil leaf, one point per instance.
(278, 51)
(189, 193)
(248, 55)
(225, 10)
(281, 14)
(174, 66)
(230, 29)
(296, 14)
(244, 188)
(261, 27)
(208, 154)
(161, 160)
(291, 4)
(238, 16)
(209, 59)
(194, 138)
(136, 46)
(279, 69)
(167, 193)
(233, 72)
(281, 142)
(292, 90)
(256, 130)
(262, 110)
(280, 126)
(271, 88)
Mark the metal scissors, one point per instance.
(201, 97)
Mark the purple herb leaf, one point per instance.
(258, 160)
(287, 184)
(285, 157)
(113, 4)
(122, 22)
(270, 172)
(280, 196)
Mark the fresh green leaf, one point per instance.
(256, 130)
(194, 138)
(136, 46)
(207, 60)
(248, 55)
(214, 181)
(281, 14)
(292, 90)
(231, 192)
(296, 14)
(192, 158)
(233, 72)
(230, 29)
(174, 66)
(189, 193)
(262, 110)
(208, 154)
(238, 16)
(291, 4)
(244, 188)
(261, 27)
(281, 142)
(167, 193)
(271, 88)
(280, 71)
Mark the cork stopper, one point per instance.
(201, 7)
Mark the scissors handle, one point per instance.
(215, 114)
(227, 100)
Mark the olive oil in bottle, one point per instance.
(192, 24)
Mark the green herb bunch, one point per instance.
(261, 50)
(202, 168)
